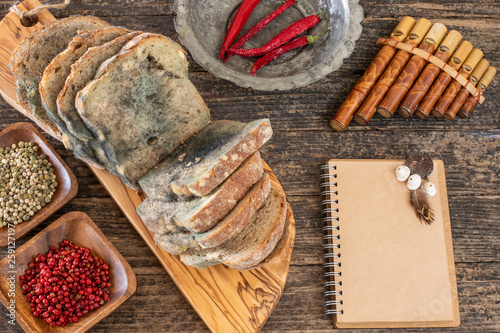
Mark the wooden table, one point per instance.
(302, 141)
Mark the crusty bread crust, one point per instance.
(202, 183)
(252, 244)
(163, 216)
(179, 69)
(215, 153)
(201, 215)
(238, 218)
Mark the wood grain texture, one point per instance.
(302, 141)
(226, 299)
(78, 228)
(65, 191)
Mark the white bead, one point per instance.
(402, 173)
(414, 182)
(429, 188)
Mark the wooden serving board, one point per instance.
(227, 300)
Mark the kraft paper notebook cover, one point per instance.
(384, 267)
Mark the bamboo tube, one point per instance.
(471, 102)
(428, 75)
(367, 110)
(357, 95)
(454, 86)
(411, 71)
(440, 84)
(464, 93)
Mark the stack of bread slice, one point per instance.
(211, 201)
(122, 101)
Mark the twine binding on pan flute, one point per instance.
(331, 248)
(476, 93)
(34, 12)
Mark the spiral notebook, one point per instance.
(384, 268)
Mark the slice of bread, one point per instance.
(33, 55)
(238, 218)
(182, 240)
(142, 106)
(249, 247)
(203, 213)
(286, 240)
(207, 159)
(160, 51)
(82, 72)
(56, 73)
(157, 215)
(175, 243)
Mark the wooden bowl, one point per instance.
(79, 228)
(66, 190)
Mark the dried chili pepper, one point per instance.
(297, 42)
(293, 30)
(259, 26)
(241, 17)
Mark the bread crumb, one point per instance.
(181, 157)
(197, 159)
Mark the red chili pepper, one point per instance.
(297, 42)
(258, 27)
(284, 36)
(241, 17)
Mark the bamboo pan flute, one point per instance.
(366, 111)
(420, 68)
(372, 74)
(431, 97)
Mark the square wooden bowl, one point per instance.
(65, 191)
(80, 229)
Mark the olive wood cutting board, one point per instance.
(227, 300)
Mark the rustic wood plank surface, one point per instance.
(302, 141)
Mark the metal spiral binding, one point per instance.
(331, 248)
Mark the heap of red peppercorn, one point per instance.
(65, 284)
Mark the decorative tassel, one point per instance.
(421, 205)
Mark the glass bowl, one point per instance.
(202, 25)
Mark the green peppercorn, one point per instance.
(27, 182)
